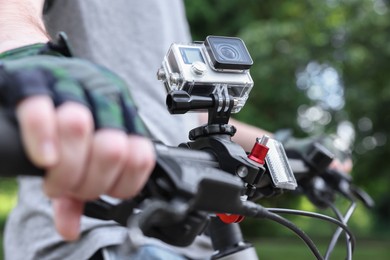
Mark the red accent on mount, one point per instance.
(230, 218)
(259, 150)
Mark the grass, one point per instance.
(293, 248)
(8, 191)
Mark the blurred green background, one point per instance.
(319, 67)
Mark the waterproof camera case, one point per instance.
(217, 65)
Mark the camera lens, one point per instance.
(228, 52)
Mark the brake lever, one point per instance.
(362, 196)
(172, 222)
(182, 191)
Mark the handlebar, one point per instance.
(192, 179)
(13, 159)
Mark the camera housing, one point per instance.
(217, 65)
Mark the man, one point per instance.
(130, 38)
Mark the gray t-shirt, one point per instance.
(130, 38)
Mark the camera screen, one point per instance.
(190, 55)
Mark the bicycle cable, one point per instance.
(319, 216)
(255, 210)
(340, 217)
(344, 219)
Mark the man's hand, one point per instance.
(344, 166)
(78, 123)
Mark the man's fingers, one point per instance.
(75, 130)
(139, 164)
(67, 214)
(108, 156)
(36, 117)
(81, 164)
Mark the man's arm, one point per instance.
(21, 23)
(247, 134)
(80, 164)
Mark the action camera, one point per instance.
(217, 65)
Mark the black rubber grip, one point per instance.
(13, 159)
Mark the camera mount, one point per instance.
(213, 76)
(219, 106)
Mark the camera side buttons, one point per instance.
(198, 68)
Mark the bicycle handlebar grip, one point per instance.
(13, 159)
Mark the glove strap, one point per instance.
(60, 47)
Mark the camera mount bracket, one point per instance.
(219, 106)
